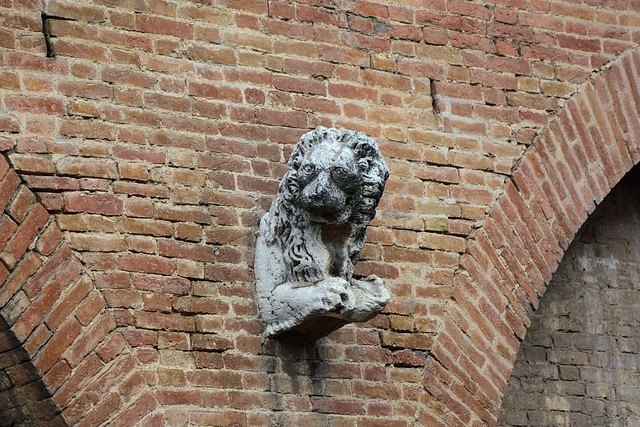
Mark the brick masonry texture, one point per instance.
(579, 362)
(139, 157)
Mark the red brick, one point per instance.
(214, 379)
(471, 41)
(69, 272)
(33, 163)
(7, 188)
(36, 63)
(122, 298)
(140, 338)
(128, 77)
(135, 412)
(200, 305)
(107, 381)
(146, 264)
(253, 6)
(495, 80)
(4, 166)
(58, 375)
(310, 68)
(35, 104)
(163, 138)
(375, 43)
(164, 182)
(342, 55)
(87, 129)
(462, 91)
(406, 358)
(396, 254)
(150, 320)
(57, 345)
(89, 308)
(316, 15)
(113, 280)
(76, 166)
(257, 185)
(186, 397)
(318, 105)
(148, 227)
(52, 183)
(36, 311)
(81, 50)
(49, 240)
(196, 252)
(300, 85)
(219, 55)
(183, 213)
(226, 273)
(108, 405)
(168, 102)
(25, 235)
(578, 43)
(90, 340)
(138, 207)
(88, 89)
(228, 235)
(82, 376)
(68, 303)
(164, 26)
(206, 90)
(11, 81)
(157, 302)
(332, 405)
(105, 205)
(112, 347)
(49, 268)
(172, 285)
(137, 153)
(7, 228)
(511, 32)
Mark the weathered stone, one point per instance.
(311, 238)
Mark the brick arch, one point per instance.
(572, 165)
(62, 359)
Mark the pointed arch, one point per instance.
(571, 166)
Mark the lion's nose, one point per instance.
(321, 195)
(321, 186)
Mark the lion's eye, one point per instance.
(307, 169)
(340, 173)
(363, 165)
(347, 179)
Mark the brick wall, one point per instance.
(149, 136)
(59, 349)
(578, 363)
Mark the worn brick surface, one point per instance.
(138, 158)
(577, 363)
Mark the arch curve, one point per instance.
(62, 358)
(573, 163)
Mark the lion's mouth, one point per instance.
(329, 217)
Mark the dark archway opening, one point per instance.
(580, 361)
(24, 399)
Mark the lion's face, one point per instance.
(329, 179)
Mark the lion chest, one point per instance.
(334, 239)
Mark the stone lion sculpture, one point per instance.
(311, 238)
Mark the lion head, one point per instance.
(335, 178)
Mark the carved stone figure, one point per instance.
(312, 236)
